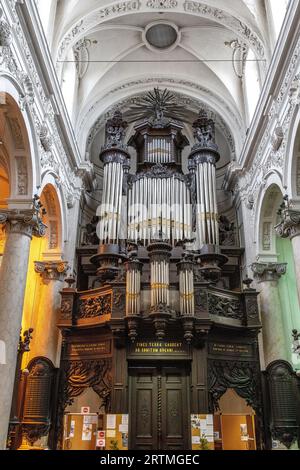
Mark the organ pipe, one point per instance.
(133, 287)
(115, 160)
(162, 210)
(202, 161)
(186, 286)
(159, 254)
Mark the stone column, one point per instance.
(47, 336)
(20, 226)
(289, 227)
(268, 275)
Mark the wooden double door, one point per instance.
(159, 407)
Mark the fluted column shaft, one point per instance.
(20, 226)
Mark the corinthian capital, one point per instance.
(26, 222)
(289, 227)
(51, 270)
(268, 271)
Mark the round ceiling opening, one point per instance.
(161, 36)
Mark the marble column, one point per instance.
(268, 275)
(289, 227)
(46, 334)
(20, 226)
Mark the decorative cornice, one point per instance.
(51, 270)
(162, 4)
(289, 227)
(264, 272)
(229, 21)
(5, 32)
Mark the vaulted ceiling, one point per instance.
(105, 56)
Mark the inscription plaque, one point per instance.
(159, 348)
(89, 349)
(230, 349)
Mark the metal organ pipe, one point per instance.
(133, 287)
(204, 157)
(159, 254)
(111, 206)
(186, 287)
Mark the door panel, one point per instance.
(143, 408)
(159, 408)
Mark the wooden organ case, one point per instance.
(150, 326)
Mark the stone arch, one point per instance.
(101, 104)
(52, 201)
(19, 143)
(270, 199)
(273, 249)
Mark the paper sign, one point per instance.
(123, 428)
(72, 429)
(111, 433)
(124, 439)
(111, 421)
(203, 423)
(209, 420)
(87, 419)
(94, 419)
(195, 439)
(85, 410)
(100, 443)
(124, 419)
(216, 435)
(87, 432)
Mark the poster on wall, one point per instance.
(115, 432)
(87, 430)
(72, 429)
(202, 430)
(244, 433)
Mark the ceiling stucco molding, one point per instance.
(93, 19)
(18, 66)
(122, 92)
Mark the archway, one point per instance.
(273, 254)
(235, 422)
(46, 270)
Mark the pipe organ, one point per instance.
(163, 209)
(155, 318)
